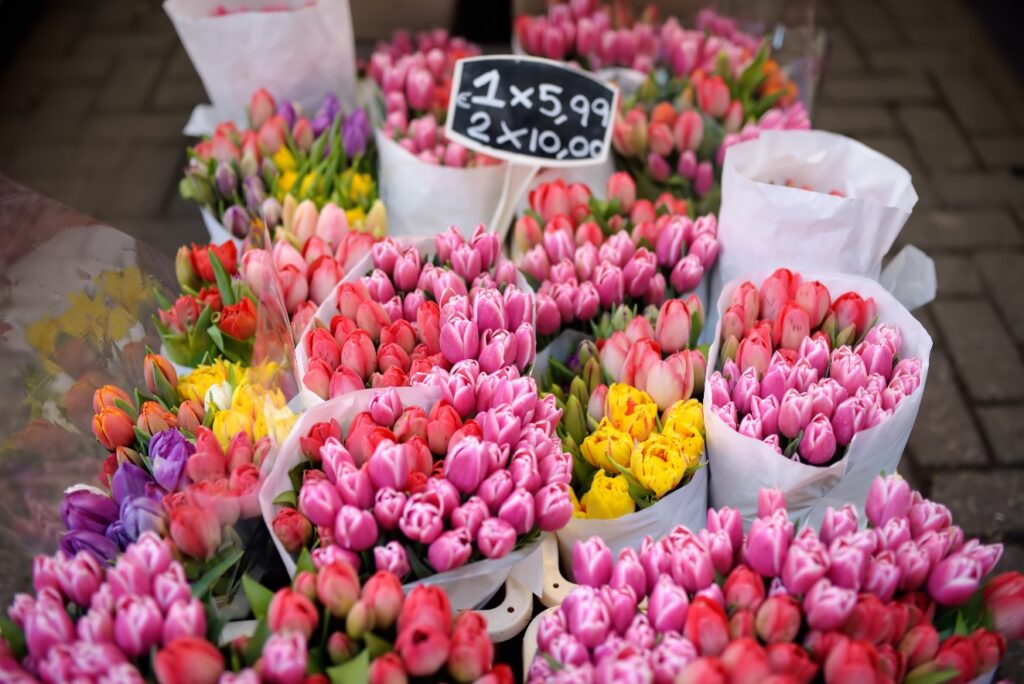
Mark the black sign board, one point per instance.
(531, 110)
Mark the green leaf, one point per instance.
(227, 295)
(124, 406)
(201, 586)
(161, 300)
(286, 498)
(582, 472)
(13, 635)
(355, 670)
(377, 646)
(791, 448)
(259, 596)
(931, 677)
(255, 648)
(305, 562)
(560, 373)
(419, 568)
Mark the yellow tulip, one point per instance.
(195, 385)
(577, 509)
(608, 497)
(284, 159)
(631, 410)
(658, 464)
(689, 413)
(605, 445)
(227, 424)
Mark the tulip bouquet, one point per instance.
(387, 493)
(423, 305)
(187, 469)
(329, 625)
(625, 457)
(92, 622)
(810, 372)
(242, 177)
(312, 252)
(416, 82)
(903, 600)
(216, 314)
(591, 255)
(674, 138)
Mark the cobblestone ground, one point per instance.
(95, 100)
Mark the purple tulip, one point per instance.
(100, 546)
(88, 509)
(355, 133)
(169, 451)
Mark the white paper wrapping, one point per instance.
(301, 54)
(424, 199)
(218, 233)
(741, 466)
(470, 585)
(687, 505)
(764, 224)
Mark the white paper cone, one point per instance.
(741, 465)
(765, 225)
(300, 55)
(424, 199)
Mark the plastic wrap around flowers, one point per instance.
(485, 478)
(313, 251)
(242, 177)
(328, 623)
(804, 373)
(92, 622)
(591, 255)
(186, 464)
(411, 314)
(902, 600)
(416, 81)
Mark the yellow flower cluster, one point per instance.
(103, 312)
(627, 439)
(242, 399)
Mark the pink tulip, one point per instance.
(284, 658)
(686, 274)
(768, 543)
(818, 444)
(587, 615)
(466, 465)
(925, 516)
(319, 501)
(667, 606)
(392, 558)
(673, 329)
(827, 607)
(388, 505)
(518, 510)
(450, 550)
(591, 562)
(885, 334)
(883, 576)
(804, 566)
(643, 356)
(837, 523)
(954, 580)
(794, 413)
(185, 618)
(389, 466)
(754, 352)
(495, 538)
(610, 285)
(48, 626)
(553, 506)
(355, 528)
(847, 564)
(914, 565)
(138, 624)
(813, 297)
(889, 497)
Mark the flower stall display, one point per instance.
(413, 305)
(589, 256)
(419, 166)
(450, 485)
(134, 619)
(329, 623)
(241, 178)
(215, 316)
(906, 599)
(847, 224)
(299, 51)
(637, 442)
(817, 388)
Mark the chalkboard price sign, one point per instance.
(531, 110)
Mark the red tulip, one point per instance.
(188, 660)
(707, 626)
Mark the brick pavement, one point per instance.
(95, 100)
